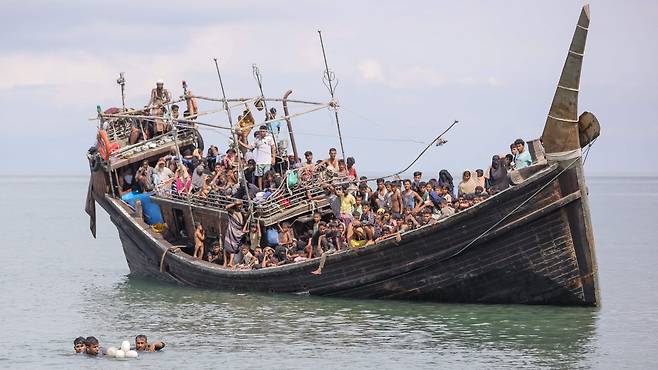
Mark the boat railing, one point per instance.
(294, 198)
(287, 201)
(118, 130)
(213, 200)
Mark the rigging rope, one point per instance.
(415, 160)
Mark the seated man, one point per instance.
(446, 209)
(357, 236)
(269, 258)
(427, 218)
(216, 254)
(248, 259)
(92, 347)
(79, 345)
(142, 344)
(318, 241)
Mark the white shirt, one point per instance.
(263, 150)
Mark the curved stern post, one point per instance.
(562, 145)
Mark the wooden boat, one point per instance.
(531, 243)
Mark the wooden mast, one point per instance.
(560, 136)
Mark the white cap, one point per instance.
(160, 81)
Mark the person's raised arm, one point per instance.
(156, 346)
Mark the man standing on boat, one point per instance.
(264, 153)
(332, 161)
(522, 159)
(159, 97)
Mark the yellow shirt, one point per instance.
(347, 203)
(357, 243)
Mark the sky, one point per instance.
(405, 71)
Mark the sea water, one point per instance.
(57, 283)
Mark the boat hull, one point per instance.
(530, 244)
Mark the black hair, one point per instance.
(418, 173)
(175, 107)
(350, 161)
(307, 153)
(330, 149)
(322, 223)
(479, 172)
(79, 340)
(142, 336)
(519, 141)
(90, 341)
(509, 157)
(262, 127)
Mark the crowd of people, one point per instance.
(360, 214)
(91, 346)
(363, 212)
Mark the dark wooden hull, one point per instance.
(541, 254)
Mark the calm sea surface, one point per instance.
(57, 282)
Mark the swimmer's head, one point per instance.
(91, 346)
(141, 343)
(79, 344)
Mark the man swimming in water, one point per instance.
(142, 344)
(92, 347)
(79, 345)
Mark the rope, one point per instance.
(589, 146)
(510, 213)
(266, 99)
(415, 160)
(361, 138)
(172, 249)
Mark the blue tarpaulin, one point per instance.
(151, 210)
